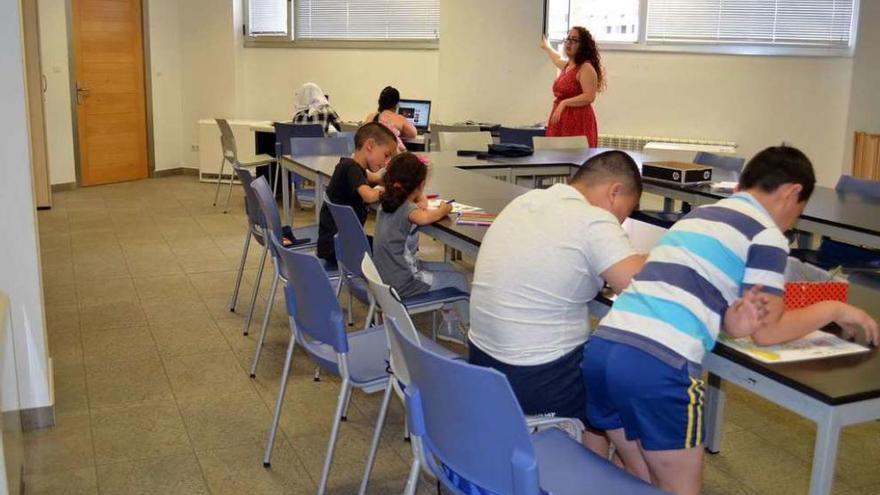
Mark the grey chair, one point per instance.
(472, 141)
(520, 135)
(230, 154)
(436, 129)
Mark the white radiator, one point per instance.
(642, 143)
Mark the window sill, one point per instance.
(260, 42)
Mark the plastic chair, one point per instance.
(266, 202)
(560, 143)
(471, 141)
(848, 184)
(230, 154)
(832, 253)
(476, 439)
(284, 131)
(520, 135)
(389, 302)
(317, 146)
(351, 245)
(358, 358)
(434, 131)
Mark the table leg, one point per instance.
(668, 205)
(804, 240)
(714, 414)
(825, 454)
(319, 197)
(285, 195)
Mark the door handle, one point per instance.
(81, 92)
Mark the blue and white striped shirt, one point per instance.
(693, 273)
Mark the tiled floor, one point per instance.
(152, 389)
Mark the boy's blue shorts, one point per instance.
(656, 404)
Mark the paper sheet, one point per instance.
(817, 345)
(457, 207)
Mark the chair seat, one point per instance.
(258, 161)
(433, 299)
(305, 195)
(367, 357)
(567, 467)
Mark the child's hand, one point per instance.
(851, 318)
(446, 208)
(747, 314)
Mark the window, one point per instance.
(333, 21)
(783, 27)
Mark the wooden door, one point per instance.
(36, 116)
(110, 90)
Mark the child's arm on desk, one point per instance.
(370, 194)
(424, 216)
(783, 326)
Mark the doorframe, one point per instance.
(148, 88)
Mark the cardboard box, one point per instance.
(678, 172)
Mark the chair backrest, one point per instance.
(227, 139)
(353, 242)
(266, 200)
(468, 418)
(316, 146)
(436, 129)
(521, 135)
(560, 142)
(251, 203)
(728, 163)
(311, 300)
(286, 130)
(865, 187)
(389, 302)
(472, 141)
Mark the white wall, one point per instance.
(864, 105)
(55, 61)
(20, 263)
(164, 43)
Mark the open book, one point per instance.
(817, 345)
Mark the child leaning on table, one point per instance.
(396, 241)
(721, 266)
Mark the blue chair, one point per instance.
(266, 202)
(317, 146)
(519, 135)
(351, 245)
(832, 253)
(256, 230)
(284, 131)
(476, 440)
(358, 358)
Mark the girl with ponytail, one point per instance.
(396, 241)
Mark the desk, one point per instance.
(833, 393)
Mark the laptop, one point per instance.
(418, 112)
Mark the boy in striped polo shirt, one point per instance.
(720, 267)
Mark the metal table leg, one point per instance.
(825, 453)
(715, 397)
(285, 194)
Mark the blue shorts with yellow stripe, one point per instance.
(659, 405)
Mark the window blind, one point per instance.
(267, 17)
(367, 19)
(819, 23)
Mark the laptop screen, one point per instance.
(416, 111)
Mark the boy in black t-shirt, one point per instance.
(350, 184)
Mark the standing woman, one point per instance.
(576, 87)
(387, 115)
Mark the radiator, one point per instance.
(641, 143)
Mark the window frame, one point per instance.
(757, 49)
(290, 41)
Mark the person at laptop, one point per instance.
(544, 258)
(312, 107)
(387, 115)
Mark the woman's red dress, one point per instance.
(575, 121)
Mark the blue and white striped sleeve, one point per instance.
(765, 262)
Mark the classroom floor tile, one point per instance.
(151, 370)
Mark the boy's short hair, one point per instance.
(778, 165)
(375, 131)
(613, 165)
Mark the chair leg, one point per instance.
(371, 312)
(344, 395)
(377, 436)
(265, 327)
(350, 304)
(250, 313)
(317, 377)
(279, 403)
(229, 194)
(219, 180)
(244, 252)
(433, 325)
(277, 174)
(412, 481)
(345, 409)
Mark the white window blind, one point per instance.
(813, 23)
(267, 17)
(367, 19)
